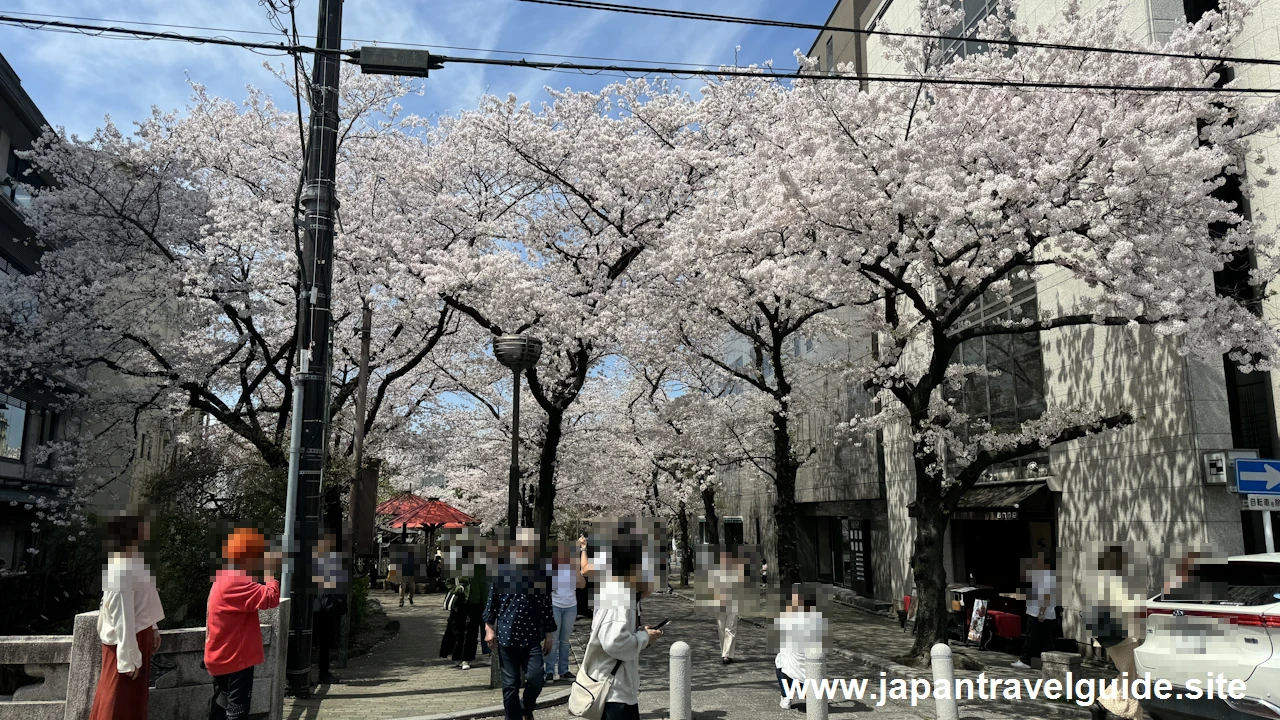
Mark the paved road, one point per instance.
(746, 689)
(403, 678)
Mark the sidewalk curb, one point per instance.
(559, 697)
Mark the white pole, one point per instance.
(944, 673)
(1267, 532)
(295, 453)
(815, 669)
(681, 689)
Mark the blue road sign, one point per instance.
(1258, 477)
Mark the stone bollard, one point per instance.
(815, 669)
(681, 685)
(944, 673)
(1056, 665)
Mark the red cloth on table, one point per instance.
(119, 697)
(234, 640)
(1006, 625)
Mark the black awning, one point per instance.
(1000, 495)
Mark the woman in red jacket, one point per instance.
(234, 643)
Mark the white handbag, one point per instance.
(588, 695)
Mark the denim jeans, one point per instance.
(232, 695)
(560, 644)
(518, 661)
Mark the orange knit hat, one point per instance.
(244, 544)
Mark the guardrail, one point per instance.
(68, 667)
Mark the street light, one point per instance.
(518, 352)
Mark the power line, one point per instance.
(739, 20)
(631, 70)
(345, 39)
(638, 70)
(116, 32)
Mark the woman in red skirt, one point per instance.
(126, 623)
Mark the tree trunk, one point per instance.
(686, 548)
(784, 507)
(709, 512)
(927, 568)
(545, 498)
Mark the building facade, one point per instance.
(32, 414)
(1150, 485)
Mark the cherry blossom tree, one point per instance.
(751, 287)
(553, 208)
(930, 199)
(169, 279)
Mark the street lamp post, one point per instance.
(518, 352)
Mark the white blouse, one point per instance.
(130, 603)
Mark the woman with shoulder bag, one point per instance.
(466, 614)
(1113, 622)
(608, 683)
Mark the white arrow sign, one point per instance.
(1271, 475)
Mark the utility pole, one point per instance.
(310, 421)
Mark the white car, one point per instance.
(1225, 626)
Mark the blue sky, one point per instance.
(76, 80)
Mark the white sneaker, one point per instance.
(1020, 665)
(785, 703)
(466, 666)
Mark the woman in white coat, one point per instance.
(126, 623)
(616, 642)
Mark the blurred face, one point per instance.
(252, 565)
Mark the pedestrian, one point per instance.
(566, 578)
(1041, 611)
(126, 623)
(728, 582)
(233, 645)
(519, 618)
(471, 586)
(616, 640)
(1113, 618)
(406, 570)
(800, 631)
(330, 602)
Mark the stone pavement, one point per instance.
(747, 689)
(404, 677)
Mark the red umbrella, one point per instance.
(431, 514)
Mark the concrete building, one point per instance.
(1153, 484)
(30, 414)
(28, 417)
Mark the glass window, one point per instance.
(831, 54)
(975, 11)
(13, 421)
(1016, 394)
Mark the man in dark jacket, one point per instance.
(518, 616)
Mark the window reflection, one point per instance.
(13, 419)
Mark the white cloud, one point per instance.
(76, 80)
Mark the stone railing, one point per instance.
(68, 666)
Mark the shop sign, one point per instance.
(985, 515)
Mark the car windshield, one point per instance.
(1233, 583)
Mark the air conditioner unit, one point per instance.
(1219, 466)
